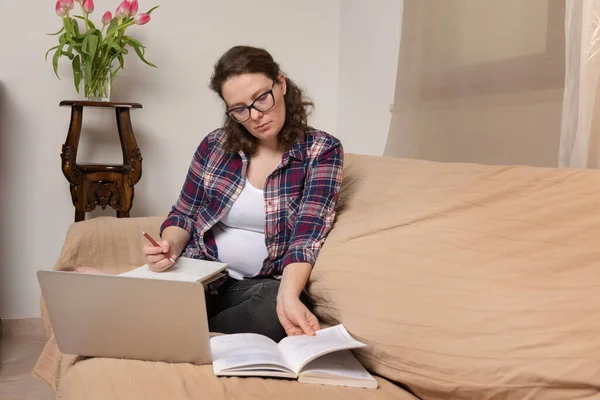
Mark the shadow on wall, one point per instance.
(141, 205)
(130, 89)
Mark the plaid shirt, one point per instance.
(300, 198)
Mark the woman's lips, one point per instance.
(263, 127)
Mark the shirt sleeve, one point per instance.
(184, 211)
(317, 207)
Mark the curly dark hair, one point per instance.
(245, 59)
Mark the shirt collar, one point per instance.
(295, 150)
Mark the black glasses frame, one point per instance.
(251, 106)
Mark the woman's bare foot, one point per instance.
(89, 270)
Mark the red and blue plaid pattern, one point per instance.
(300, 198)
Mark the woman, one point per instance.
(260, 195)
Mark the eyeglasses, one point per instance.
(263, 103)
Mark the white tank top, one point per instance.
(240, 234)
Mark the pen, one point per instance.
(155, 244)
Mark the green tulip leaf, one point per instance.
(49, 50)
(75, 28)
(152, 9)
(121, 61)
(113, 27)
(55, 60)
(69, 53)
(89, 32)
(76, 72)
(84, 45)
(141, 56)
(133, 42)
(92, 44)
(57, 33)
(117, 48)
(69, 26)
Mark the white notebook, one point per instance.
(185, 269)
(324, 358)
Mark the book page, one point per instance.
(245, 352)
(340, 365)
(185, 269)
(300, 350)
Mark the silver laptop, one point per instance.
(121, 317)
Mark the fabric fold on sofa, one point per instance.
(468, 281)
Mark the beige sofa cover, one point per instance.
(467, 281)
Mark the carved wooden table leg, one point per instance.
(132, 158)
(102, 185)
(69, 161)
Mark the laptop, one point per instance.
(124, 317)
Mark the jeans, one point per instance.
(247, 306)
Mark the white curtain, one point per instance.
(580, 132)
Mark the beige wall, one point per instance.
(480, 82)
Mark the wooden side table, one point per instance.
(102, 185)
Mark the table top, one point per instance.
(105, 104)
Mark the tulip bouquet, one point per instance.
(97, 54)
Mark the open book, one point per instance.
(184, 269)
(324, 358)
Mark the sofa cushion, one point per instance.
(468, 281)
(112, 379)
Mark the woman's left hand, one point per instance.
(295, 317)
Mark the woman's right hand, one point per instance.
(157, 258)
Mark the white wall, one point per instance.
(184, 38)
(369, 43)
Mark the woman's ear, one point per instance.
(283, 82)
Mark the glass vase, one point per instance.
(97, 86)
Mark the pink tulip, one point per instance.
(141, 19)
(133, 7)
(106, 18)
(88, 6)
(60, 11)
(67, 4)
(123, 9)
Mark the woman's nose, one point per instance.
(255, 114)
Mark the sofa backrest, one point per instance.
(468, 281)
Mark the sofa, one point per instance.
(466, 281)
